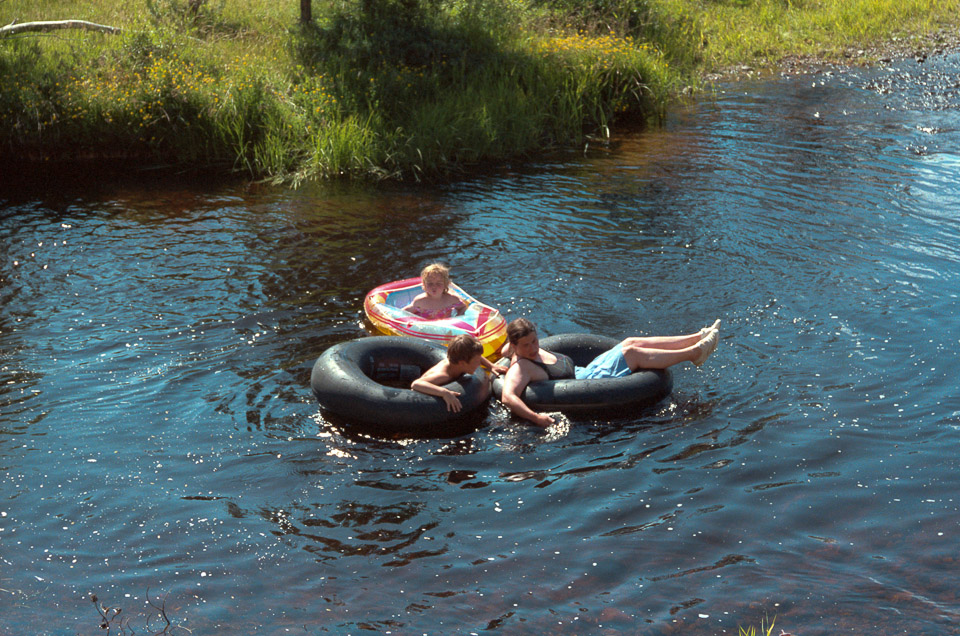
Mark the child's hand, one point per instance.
(498, 369)
(452, 400)
(543, 420)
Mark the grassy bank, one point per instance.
(761, 33)
(386, 88)
(370, 90)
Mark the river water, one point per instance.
(160, 445)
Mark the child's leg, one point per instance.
(639, 357)
(650, 358)
(662, 342)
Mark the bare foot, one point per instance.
(707, 346)
(706, 330)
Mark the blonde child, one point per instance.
(464, 355)
(436, 302)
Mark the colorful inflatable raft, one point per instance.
(384, 308)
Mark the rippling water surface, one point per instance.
(160, 445)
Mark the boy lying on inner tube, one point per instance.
(464, 355)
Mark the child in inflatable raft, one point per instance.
(436, 302)
(530, 363)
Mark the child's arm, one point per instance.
(413, 307)
(498, 369)
(458, 307)
(430, 384)
(513, 385)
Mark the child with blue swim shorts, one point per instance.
(530, 363)
(610, 364)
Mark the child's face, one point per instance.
(474, 363)
(434, 286)
(528, 346)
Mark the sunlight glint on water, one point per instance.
(158, 433)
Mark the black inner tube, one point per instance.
(594, 396)
(367, 381)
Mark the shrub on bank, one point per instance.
(385, 88)
(482, 90)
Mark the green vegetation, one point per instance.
(386, 88)
(765, 629)
(763, 32)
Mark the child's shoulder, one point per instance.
(442, 373)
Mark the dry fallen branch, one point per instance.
(51, 25)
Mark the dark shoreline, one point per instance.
(34, 172)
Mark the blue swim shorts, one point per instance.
(610, 364)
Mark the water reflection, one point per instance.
(157, 429)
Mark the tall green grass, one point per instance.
(372, 89)
(760, 33)
(387, 88)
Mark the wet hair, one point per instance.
(463, 348)
(436, 269)
(519, 328)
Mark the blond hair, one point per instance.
(437, 269)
